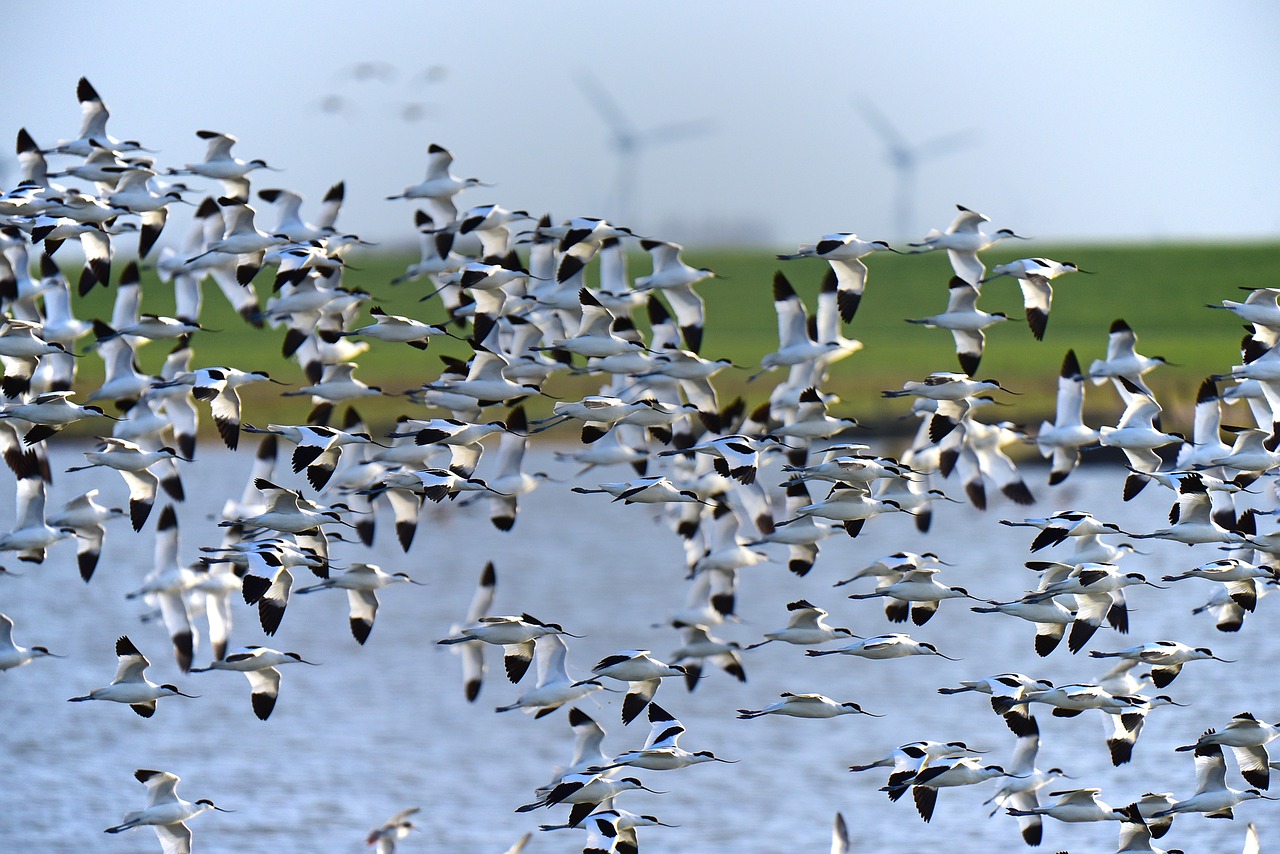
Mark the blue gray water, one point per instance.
(383, 727)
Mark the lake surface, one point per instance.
(379, 728)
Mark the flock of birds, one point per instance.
(514, 287)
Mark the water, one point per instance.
(382, 727)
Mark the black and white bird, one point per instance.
(259, 665)
(131, 685)
(12, 655)
(361, 581)
(165, 811)
(966, 323)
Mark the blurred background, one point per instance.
(710, 123)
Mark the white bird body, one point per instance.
(1075, 805)
(882, 647)
(945, 386)
(1123, 359)
(259, 665)
(392, 831)
(13, 656)
(33, 534)
(554, 688)
(130, 684)
(440, 185)
(1261, 307)
(505, 630)
(806, 706)
(806, 627)
(1079, 697)
(165, 811)
(963, 241)
(1062, 440)
(361, 581)
(218, 161)
(1212, 796)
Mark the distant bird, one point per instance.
(1136, 433)
(946, 386)
(656, 489)
(169, 584)
(391, 831)
(1049, 616)
(1260, 307)
(1135, 832)
(398, 329)
(165, 811)
(917, 591)
(217, 386)
(910, 758)
(130, 684)
(801, 537)
(850, 506)
(318, 448)
(1073, 805)
(839, 836)
(510, 481)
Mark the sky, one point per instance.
(1073, 121)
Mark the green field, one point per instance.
(1160, 290)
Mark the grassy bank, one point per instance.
(1160, 290)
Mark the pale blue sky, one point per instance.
(1132, 120)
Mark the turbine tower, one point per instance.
(629, 142)
(905, 160)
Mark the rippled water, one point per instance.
(382, 727)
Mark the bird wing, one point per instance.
(552, 651)
(174, 838)
(1211, 768)
(1037, 296)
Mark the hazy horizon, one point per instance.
(1088, 122)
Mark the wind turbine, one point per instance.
(905, 159)
(628, 141)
